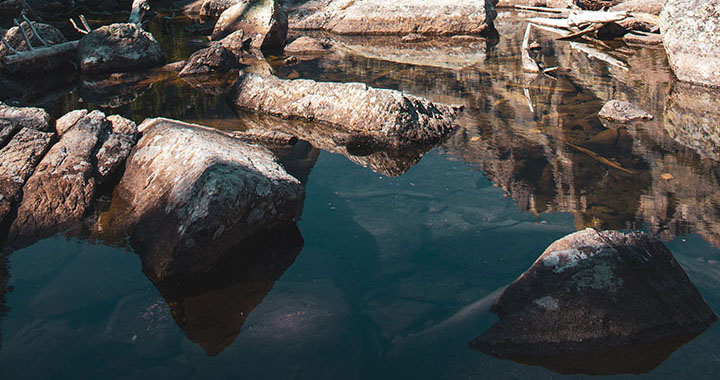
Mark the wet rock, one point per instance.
(692, 40)
(692, 119)
(264, 21)
(380, 17)
(308, 46)
(362, 115)
(17, 162)
(62, 189)
(190, 193)
(119, 48)
(13, 119)
(14, 37)
(214, 59)
(623, 112)
(597, 303)
(212, 308)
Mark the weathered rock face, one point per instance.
(189, 194)
(113, 152)
(17, 162)
(14, 37)
(691, 37)
(692, 119)
(118, 48)
(62, 189)
(622, 111)
(13, 119)
(214, 59)
(597, 303)
(363, 116)
(264, 21)
(400, 17)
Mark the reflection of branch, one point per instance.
(602, 159)
(526, 91)
(597, 54)
(529, 65)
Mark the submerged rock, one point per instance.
(691, 37)
(622, 111)
(597, 303)
(399, 17)
(264, 21)
(362, 115)
(189, 194)
(62, 189)
(119, 48)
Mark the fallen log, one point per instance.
(39, 53)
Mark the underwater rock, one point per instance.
(190, 193)
(400, 17)
(692, 119)
(597, 303)
(62, 189)
(17, 162)
(362, 115)
(623, 112)
(692, 40)
(214, 59)
(211, 309)
(119, 48)
(264, 21)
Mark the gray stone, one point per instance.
(362, 115)
(190, 193)
(691, 37)
(119, 48)
(14, 37)
(400, 17)
(598, 303)
(13, 119)
(623, 112)
(264, 21)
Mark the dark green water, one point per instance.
(399, 260)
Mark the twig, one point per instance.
(590, 29)
(32, 28)
(77, 28)
(24, 35)
(40, 53)
(85, 23)
(541, 9)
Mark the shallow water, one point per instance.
(400, 255)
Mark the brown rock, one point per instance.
(116, 148)
(119, 48)
(189, 194)
(623, 112)
(264, 21)
(308, 46)
(692, 118)
(597, 303)
(14, 37)
(13, 119)
(214, 59)
(363, 114)
(653, 7)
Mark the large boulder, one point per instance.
(119, 48)
(62, 188)
(400, 17)
(360, 114)
(190, 194)
(691, 37)
(598, 303)
(264, 21)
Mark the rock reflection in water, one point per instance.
(598, 303)
(117, 90)
(212, 308)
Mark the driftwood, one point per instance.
(45, 52)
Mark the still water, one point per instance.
(397, 256)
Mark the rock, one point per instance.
(308, 46)
(237, 42)
(13, 119)
(623, 112)
(692, 40)
(692, 118)
(214, 59)
(262, 20)
(362, 115)
(653, 7)
(189, 194)
(14, 37)
(597, 303)
(11, 10)
(643, 38)
(209, 8)
(400, 17)
(17, 162)
(116, 148)
(118, 48)
(62, 189)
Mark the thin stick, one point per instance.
(541, 9)
(43, 52)
(32, 28)
(528, 64)
(25, 36)
(590, 29)
(85, 23)
(77, 28)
